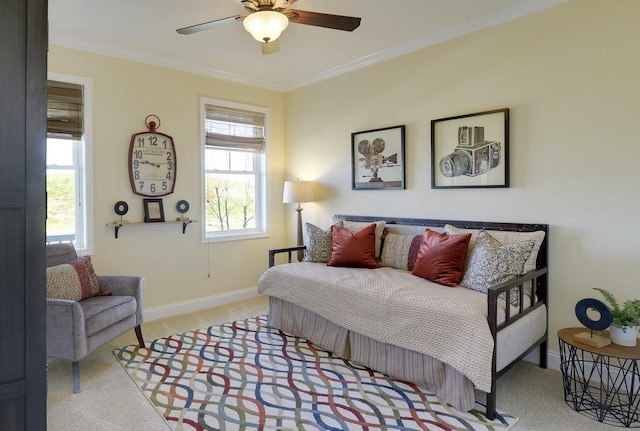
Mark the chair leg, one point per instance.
(138, 330)
(75, 366)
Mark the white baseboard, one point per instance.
(553, 358)
(183, 307)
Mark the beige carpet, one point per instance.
(110, 401)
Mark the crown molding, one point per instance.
(520, 9)
(523, 8)
(140, 57)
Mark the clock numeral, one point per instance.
(136, 175)
(141, 141)
(153, 187)
(164, 186)
(136, 164)
(153, 140)
(138, 154)
(169, 156)
(168, 175)
(169, 165)
(141, 185)
(164, 142)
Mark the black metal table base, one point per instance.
(601, 387)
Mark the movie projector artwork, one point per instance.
(373, 159)
(378, 159)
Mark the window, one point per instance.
(234, 166)
(67, 200)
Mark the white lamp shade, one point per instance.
(298, 191)
(266, 25)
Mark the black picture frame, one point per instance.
(153, 210)
(471, 151)
(378, 159)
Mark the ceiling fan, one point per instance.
(266, 19)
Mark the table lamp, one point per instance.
(298, 192)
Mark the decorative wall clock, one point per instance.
(152, 161)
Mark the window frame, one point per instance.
(83, 161)
(260, 166)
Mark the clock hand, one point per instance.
(147, 162)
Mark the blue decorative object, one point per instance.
(182, 206)
(601, 324)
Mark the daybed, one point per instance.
(449, 340)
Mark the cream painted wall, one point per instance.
(176, 266)
(571, 78)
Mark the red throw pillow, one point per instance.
(356, 249)
(441, 257)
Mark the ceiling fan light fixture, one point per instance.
(266, 25)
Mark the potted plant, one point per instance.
(624, 329)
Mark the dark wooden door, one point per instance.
(23, 79)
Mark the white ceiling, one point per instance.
(144, 30)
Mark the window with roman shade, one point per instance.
(67, 201)
(234, 153)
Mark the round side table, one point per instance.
(602, 383)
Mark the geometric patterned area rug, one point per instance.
(244, 375)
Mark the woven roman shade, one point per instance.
(64, 110)
(231, 128)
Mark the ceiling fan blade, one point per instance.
(336, 22)
(271, 47)
(210, 24)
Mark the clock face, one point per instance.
(152, 164)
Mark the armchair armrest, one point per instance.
(289, 250)
(66, 335)
(125, 285)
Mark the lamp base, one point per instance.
(300, 238)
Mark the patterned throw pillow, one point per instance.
(400, 251)
(318, 243)
(492, 263)
(75, 280)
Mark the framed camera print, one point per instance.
(470, 150)
(153, 210)
(377, 159)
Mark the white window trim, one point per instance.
(86, 152)
(245, 234)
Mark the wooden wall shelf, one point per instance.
(116, 225)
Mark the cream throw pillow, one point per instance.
(505, 237)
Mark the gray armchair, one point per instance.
(77, 328)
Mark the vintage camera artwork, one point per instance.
(473, 156)
(373, 160)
